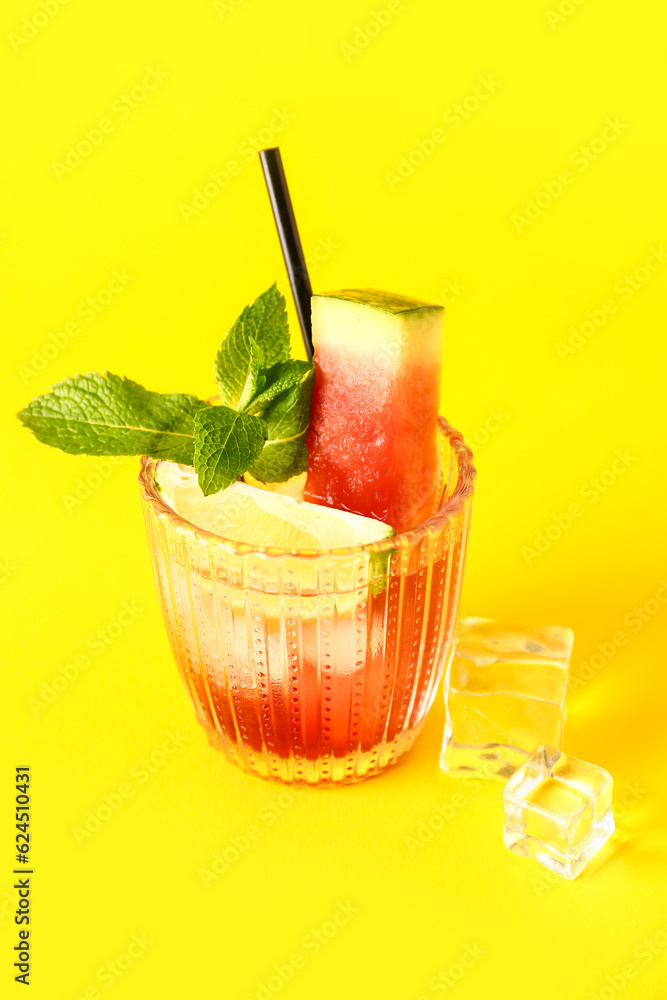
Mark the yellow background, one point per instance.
(445, 231)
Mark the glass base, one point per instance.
(323, 771)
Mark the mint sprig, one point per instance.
(260, 425)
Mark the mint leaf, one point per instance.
(265, 323)
(267, 320)
(104, 414)
(278, 378)
(226, 445)
(237, 367)
(286, 421)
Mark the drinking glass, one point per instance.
(316, 667)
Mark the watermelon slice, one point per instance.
(373, 433)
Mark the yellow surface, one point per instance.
(455, 914)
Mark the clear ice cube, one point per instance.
(505, 695)
(558, 811)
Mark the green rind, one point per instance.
(377, 299)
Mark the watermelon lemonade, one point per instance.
(312, 651)
(313, 667)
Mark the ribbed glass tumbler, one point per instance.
(313, 667)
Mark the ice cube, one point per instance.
(505, 695)
(558, 811)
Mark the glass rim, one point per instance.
(449, 509)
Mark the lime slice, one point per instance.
(293, 487)
(258, 517)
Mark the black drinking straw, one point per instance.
(295, 262)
